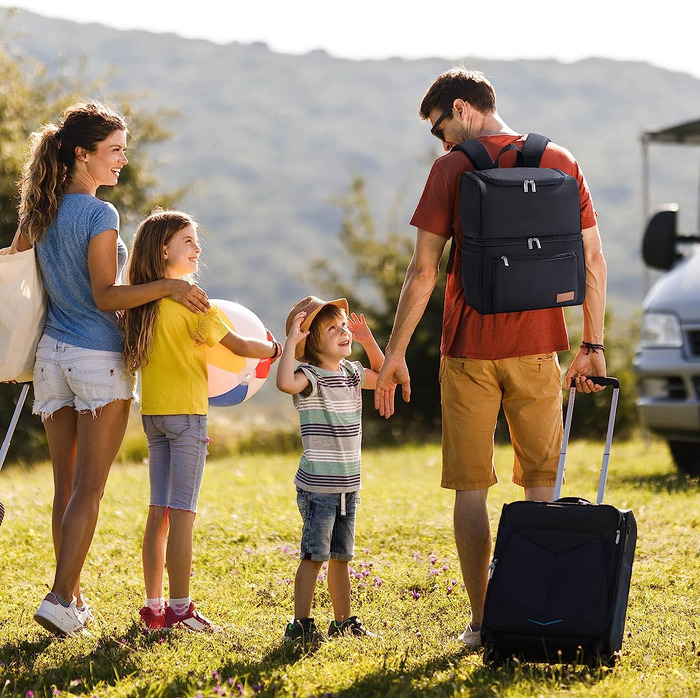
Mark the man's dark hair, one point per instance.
(461, 83)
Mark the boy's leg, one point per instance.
(339, 588)
(304, 587)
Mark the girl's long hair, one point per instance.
(51, 161)
(147, 264)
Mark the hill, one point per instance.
(266, 143)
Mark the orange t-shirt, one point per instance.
(465, 332)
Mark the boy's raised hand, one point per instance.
(359, 328)
(295, 332)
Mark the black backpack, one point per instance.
(522, 247)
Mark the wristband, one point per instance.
(594, 347)
(277, 351)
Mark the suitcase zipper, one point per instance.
(491, 568)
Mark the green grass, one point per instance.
(406, 587)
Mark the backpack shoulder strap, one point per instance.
(477, 154)
(533, 150)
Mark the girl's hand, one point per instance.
(359, 328)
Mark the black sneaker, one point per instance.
(351, 626)
(303, 631)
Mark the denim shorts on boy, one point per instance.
(326, 534)
(84, 379)
(530, 390)
(177, 452)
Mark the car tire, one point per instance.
(686, 455)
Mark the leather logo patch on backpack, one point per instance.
(563, 297)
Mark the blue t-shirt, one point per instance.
(73, 316)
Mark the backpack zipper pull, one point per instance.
(505, 260)
(536, 241)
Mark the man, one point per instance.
(489, 361)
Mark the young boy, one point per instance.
(326, 390)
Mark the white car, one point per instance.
(667, 361)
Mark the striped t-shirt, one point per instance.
(331, 429)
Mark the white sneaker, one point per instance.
(471, 636)
(84, 613)
(56, 617)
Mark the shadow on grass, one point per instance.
(665, 482)
(235, 678)
(62, 671)
(467, 679)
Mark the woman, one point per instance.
(81, 389)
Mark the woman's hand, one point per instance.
(190, 296)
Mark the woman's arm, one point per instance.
(102, 265)
(19, 244)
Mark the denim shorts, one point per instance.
(66, 375)
(177, 451)
(327, 533)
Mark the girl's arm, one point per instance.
(250, 347)
(362, 333)
(289, 381)
(109, 296)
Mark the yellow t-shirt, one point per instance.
(175, 379)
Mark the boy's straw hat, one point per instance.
(311, 305)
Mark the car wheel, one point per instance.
(686, 455)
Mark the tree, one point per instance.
(370, 277)
(31, 97)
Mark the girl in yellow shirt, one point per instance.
(167, 344)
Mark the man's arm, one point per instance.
(588, 363)
(421, 278)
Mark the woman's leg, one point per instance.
(98, 441)
(62, 436)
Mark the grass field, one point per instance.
(406, 588)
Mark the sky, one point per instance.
(664, 34)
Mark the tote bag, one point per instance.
(23, 307)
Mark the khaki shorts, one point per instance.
(529, 388)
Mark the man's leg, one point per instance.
(473, 538)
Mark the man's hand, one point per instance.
(393, 372)
(586, 364)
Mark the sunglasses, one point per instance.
(436, 130)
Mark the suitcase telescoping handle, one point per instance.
(601, 381)
(13, 424)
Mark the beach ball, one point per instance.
(234, 379)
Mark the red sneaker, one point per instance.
(191, 620)
(152, 620)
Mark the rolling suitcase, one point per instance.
(8, 436)
(560, 575)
